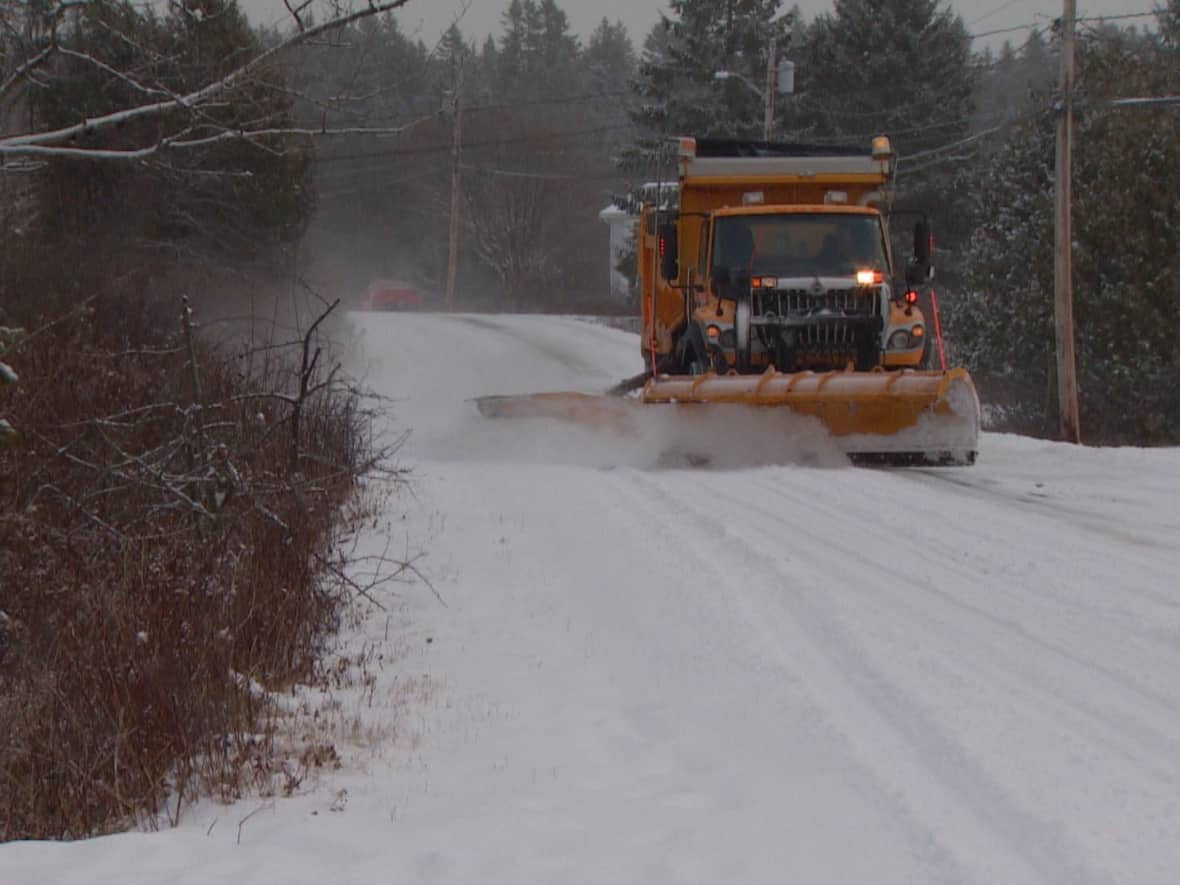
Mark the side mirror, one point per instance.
(669, 242)
(922, 247)
(921, 270)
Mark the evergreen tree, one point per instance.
(559, 48)
(1015, 82)
(1126, 213)
(1169, 22)
(513, 45)
(228, 196)
(676, 88)
(1000, 324)
(899, 67)
(609, 59)
(538, 53)
(1038, 63)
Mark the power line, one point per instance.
(998, 31)
(539, 138)
(1115, 18)
(1086, 18)
(1150, 101)
(567, 99)
(511, 173)
(962, 142)
(995, 11)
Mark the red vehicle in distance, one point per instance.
(391, 295)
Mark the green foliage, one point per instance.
(898, 67)
(609, 59)
(9, 339)
(1015, 81)
(230, 196)
(538, 53)
(1126, 214)
(678, 93)
(901, 68)
(1169, 22)
(1001, 323)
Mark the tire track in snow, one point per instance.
(1072, 516)
(1120, 576)
(550, 351)
(892, 740)
(1154, 737)
(957, 796)
(707, 609)
(1116, 571)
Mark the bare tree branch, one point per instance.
(114, 72)
(180, 142)
(23, 70)
(26, 68)
(42, 142)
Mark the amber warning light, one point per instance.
(882, 149)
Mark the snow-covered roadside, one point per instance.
(753, 675)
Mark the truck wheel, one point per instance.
(696, 355)
(741, 322)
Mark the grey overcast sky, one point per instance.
(428, 18)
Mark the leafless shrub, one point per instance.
(174, 546)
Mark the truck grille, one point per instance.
(840, 317)
(805, 302)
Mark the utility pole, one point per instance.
(1067, 381)
(456, 154)
(771, 88)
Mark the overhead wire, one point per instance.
(443, 148)
(1147, 101)
(586, 97)
(1115, 18)
(1079, 19)
(931, 154)
(996, 11)
(998, 31)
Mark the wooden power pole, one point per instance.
(771, 89)
(456, 155)
(1067, 380)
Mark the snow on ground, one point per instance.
(760, 674)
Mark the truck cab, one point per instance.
(779, 256)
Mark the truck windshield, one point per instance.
(804, 245)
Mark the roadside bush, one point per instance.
(170, 548)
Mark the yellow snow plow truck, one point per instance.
(772, 284)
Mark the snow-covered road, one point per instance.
(756, 673)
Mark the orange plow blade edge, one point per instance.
(906, 417)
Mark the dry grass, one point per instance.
(172, 548)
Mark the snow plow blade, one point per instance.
(592, 410)
(887, 417)
(896, 418)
